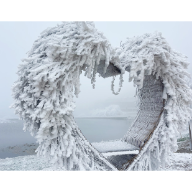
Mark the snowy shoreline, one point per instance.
(178, 162)
(24, 159)
(22, 156)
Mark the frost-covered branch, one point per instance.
(44, 91)
(150, 54)
(50, 75)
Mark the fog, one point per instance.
(16, 38)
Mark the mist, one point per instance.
(16, 39)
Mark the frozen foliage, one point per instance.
(110, 111)
(150, 54)
(44, 92)
(51, 74)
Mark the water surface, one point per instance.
(102, 129)
(15, 142)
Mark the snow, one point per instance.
(120, 153)
(110, 111)
(47, 81)
(50, 76)
(27, 163)
(151, 54)
(113, 146)
(178, 162)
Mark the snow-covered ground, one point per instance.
(21, 147)
(178, 162)
(24, 159)
(26, 163)
(181, 161)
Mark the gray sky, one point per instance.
(16, 38)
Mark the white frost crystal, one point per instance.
(150, 54)
(44, 92)
(50, 75)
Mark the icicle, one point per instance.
(120, 84)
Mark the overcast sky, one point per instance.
(16, 38)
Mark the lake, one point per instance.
(102, 129)
(15, 142)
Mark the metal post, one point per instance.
(190, 138)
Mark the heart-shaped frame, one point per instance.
(48, 77)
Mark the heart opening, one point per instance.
(122, 152)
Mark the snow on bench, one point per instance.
(116, 147)
(135, 152)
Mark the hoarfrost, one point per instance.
(43, 93)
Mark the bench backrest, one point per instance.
(150, 108)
